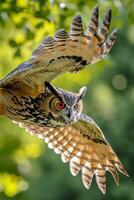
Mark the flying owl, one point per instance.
(28, 98)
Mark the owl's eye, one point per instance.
(75, 106)
(60, 105)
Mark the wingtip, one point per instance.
(86, 185)
(61, 33)
(126, 174)
(96, 8)
(123, 171)
(103, 190)
(112, 36)
(114, 33)
(109, 11)
(109, 14)
(77, 18)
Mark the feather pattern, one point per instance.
(54, 114)
(84, 146)
(76, 28)
(93, 24)
(103, 30)
(63, 53)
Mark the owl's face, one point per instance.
(63, 105)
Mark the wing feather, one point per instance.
(63, 53)
(103, 30)
(93, 24)
(76, 28)
(84, 146)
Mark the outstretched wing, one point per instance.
(84, 146)
(63, 53)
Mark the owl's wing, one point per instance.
(63, 53)
(84, 146)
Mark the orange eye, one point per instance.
(60, 105)
(76, 106)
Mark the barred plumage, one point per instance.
(54, 114)
(93, 24)
(92, 155)
(103, 30)
(62, 53)
(76, 28)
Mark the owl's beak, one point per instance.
(69, 114)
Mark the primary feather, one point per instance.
(84, 146)
(27, 97)
(63, 53)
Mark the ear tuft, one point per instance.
(82, 92)
(51, 88)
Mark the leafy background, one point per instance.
(28, 169)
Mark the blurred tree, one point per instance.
(27, 172)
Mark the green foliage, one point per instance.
(28, 170)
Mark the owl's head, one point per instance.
(63, 104)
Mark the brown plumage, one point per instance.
(84, 146)
(28, 98)
(62, 53)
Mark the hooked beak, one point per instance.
(69, 114)
(71, 117)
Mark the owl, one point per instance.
(28, 98)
